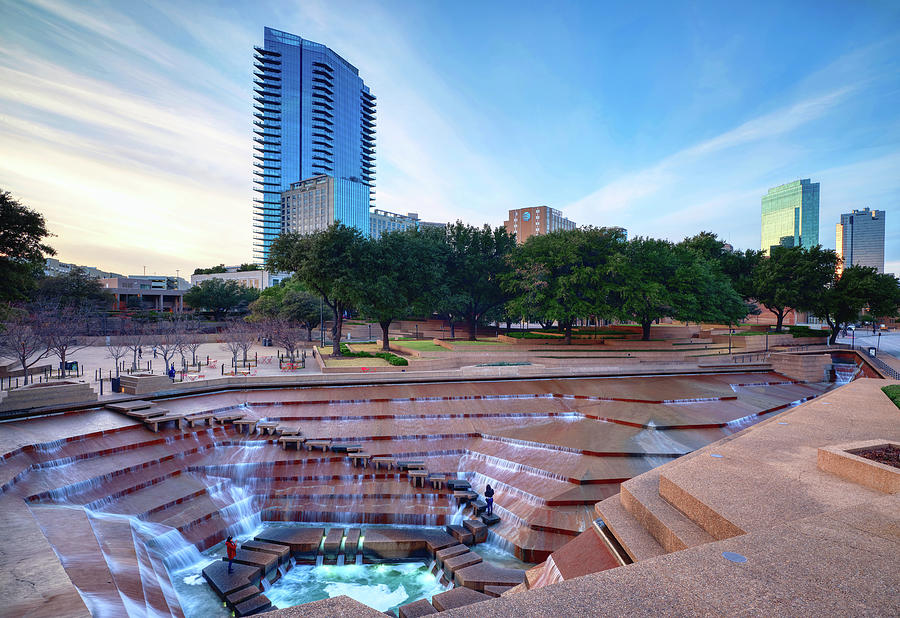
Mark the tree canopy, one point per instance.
(73, 289)
(326, 262)
(22, 248)
(219, 296)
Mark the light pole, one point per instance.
(322, 320)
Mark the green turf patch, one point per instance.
(893, 392)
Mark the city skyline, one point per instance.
(131, 132)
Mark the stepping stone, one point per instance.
(490, 519)
(224, 583)
(241, 595)
(387, 462)
(223, 418)
(437, 480)
(496, 591)
(483, 574)
(297, 441)
(449, 552)
(128, 406)
(282, 551)
(479, 506)
(360, 457)
(332, 544)
(436, 540)
(458, 597)
(242, 424)
(289, 429)
(322, 444)
(411, 464)
(153, 423)
(265, 561)
(464, 496)
(351, 542)
(452, 565)
(478, 529)
(253, 606)
(417, 608)
(417, 477)
(460, 534)
(267, 427)
(206, 419)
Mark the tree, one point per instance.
(117, 348)
(135, 337)
(21, 338)
(238, 337)
(404, 274)
(738, 266)
(656, 279)
(212, 270)
(74, 289)
(326, 262)
(285, 333)
(793, 278)
(22, 248)
(563, 276)
(167, 337)
(219, 296)
(61, 327)
(477, 261)
(849, 292)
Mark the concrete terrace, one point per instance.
(552, 448)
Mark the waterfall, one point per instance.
(358, 559)
(265, 584)
(319, 560)
(457, 518)
(340, 560)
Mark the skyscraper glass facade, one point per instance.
(860, 238)
(790, 215)
(313, 115)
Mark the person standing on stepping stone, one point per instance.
(489, 498)
(231, 550)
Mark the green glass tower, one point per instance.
(790, 215)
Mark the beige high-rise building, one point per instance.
(528, 222)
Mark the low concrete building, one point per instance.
(256, 279)
(127, 289)
(55, 268)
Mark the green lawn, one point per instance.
(479, 342)
(420, 345)
(893, 391)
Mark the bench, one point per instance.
(248, 424)
(295, 440)
(382, 459)
(417, 477)
(154, 422)
(360, 458)
(346, 448)
(267, 427)
(411, 464)
(147, 413)
(322, 444)
(224, 418)
(289, 429)
(206, 419)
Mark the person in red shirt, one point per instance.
(231, 550)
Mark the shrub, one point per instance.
(393, 359)
(806, 331)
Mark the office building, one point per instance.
(55, 268)
(162, 282)
(528, 222)
(790, 216)
(315, 203)
(382, 222)
(313, 116)
(860, 239)
(143, 293)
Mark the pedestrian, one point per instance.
(489, 498)
(172, 372)
(140, 352)
(231, 551)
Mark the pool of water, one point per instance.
(381, 586)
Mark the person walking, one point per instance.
(172, 372)
(489, 498)
(231, 551)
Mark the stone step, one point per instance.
(460, 534)
(482, 575)
(454, 564)
(159, 496)
(637, 542)
(458, 597)
(72, 538)
(496, 591)
(415, 609)
(449, 552)
(672, 529)
(478, 529)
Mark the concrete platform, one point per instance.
(239, 596)
(225, 583)
(351, 542)
(266, 562)
(282, 551)
(252, 606)
(449, 552)
(457, 598)
(496, 591)
(415, 609)
(332, 543)
(304, 542)
(483, 575)
(478, 529)
(452, 565)
(460, 534)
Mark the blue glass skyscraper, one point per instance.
(313, 115)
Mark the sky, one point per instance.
(128, 124)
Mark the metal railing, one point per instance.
(880, 364)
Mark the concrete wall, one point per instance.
(803, 367)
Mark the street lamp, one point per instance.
(322, 320)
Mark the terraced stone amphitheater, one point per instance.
(92, 498)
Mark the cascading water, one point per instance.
(320, 560)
